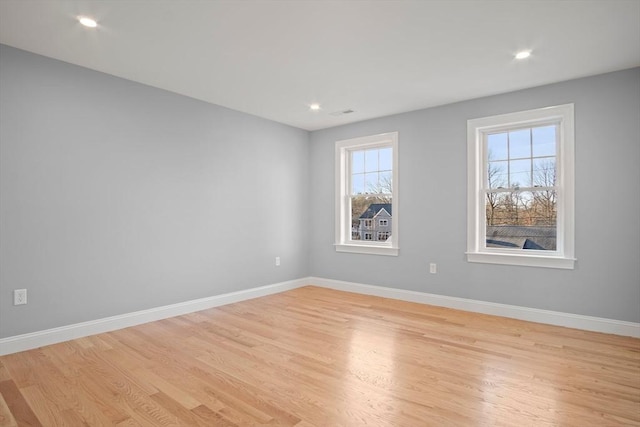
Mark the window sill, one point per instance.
(524, 260)
(367, 249)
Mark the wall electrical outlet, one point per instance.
(277, 261)
(19, 296)
(433, 268)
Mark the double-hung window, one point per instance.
(521, 188)
(366, 218)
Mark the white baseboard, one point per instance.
(32, 340)
(588, 323)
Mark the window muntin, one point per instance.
(521, 188)
(366, 194)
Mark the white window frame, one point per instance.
(343, 242)
(383, 223)
(563, 256)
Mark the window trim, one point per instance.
(564, 255)
(342, 241)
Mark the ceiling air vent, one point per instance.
(341, 113)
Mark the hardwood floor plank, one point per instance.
(318, 357)
(185, 416)
(178, 395)
(6, 418)
(4, 374)
(18, 406)
(42, 405)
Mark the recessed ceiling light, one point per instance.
(87, 22)
(523, 54)
(314, 107)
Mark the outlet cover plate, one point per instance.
(19, 296)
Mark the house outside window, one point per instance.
(377, 211)
(366, 195)
(520, 188)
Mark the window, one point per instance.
(367, 195)
(520, 188)
(383, 236)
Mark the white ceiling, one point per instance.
(274, 58)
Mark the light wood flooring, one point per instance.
(319, 357)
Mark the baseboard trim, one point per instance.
(37, 339)
(577, 321)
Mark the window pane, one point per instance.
(544, 172)
(544, 141)
(543, 208)
(371, 182)
(497, 146)
(386, 157)
(497, 174)
(371, 160)
(385, 185)
(357, 161)
(519, 144)
(520, 173)
(521, 220)
(357, 183)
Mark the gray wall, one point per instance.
(118, 197)
(432, 147)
